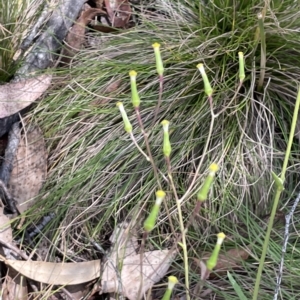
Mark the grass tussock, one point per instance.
(97, 177)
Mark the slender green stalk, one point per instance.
(182, 230)
(263, 58)
(276, 200)
(167, 151)
(160, 72)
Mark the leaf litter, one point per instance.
(15, 96)
(14, 285)
(124, 280)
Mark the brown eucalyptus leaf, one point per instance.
(128, 280)
(14, 286)
(119, 12)
(76, 35)
(30, 168)
(124, 241)
(57, 273)
(78, 291)
(15, 96)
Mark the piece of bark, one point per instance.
(43, 53)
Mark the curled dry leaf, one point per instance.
(14, 286)
(15, 96)
(128, 280)
(119, 12)
(30, 168)
(124, 241)
(76, 35)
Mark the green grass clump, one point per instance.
(97, 175)
(15, 20)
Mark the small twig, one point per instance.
(142, 249)
(15, 249)
(137, 111)
(285, 241)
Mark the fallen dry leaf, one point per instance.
(76, 35)
(57, 273)
(30, 168)
(5, 228)
(119, 12)
(78, 291)
(127, 281)
(14, 285)
(124, 241)
(15, 96)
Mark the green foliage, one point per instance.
(97, 176)
(15, 19)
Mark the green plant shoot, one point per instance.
(159, 63)
(278, 182)
(151, 220)
(203, 192)
(127, 124)
(172, 281)
(241, 67)
(134, 93)
(212, 261)
(166, 143)
(207, 87)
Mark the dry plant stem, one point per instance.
(13, 248)
(276, 199)
(150, 158)
(233, 98)
(182, 229)
(68, 294)
(195, 212)
(138, 147)
(285, 241)
(213, 117)
(202, 159)
(137, 111)
(161, 86)
(263, 52)
(142, 249)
